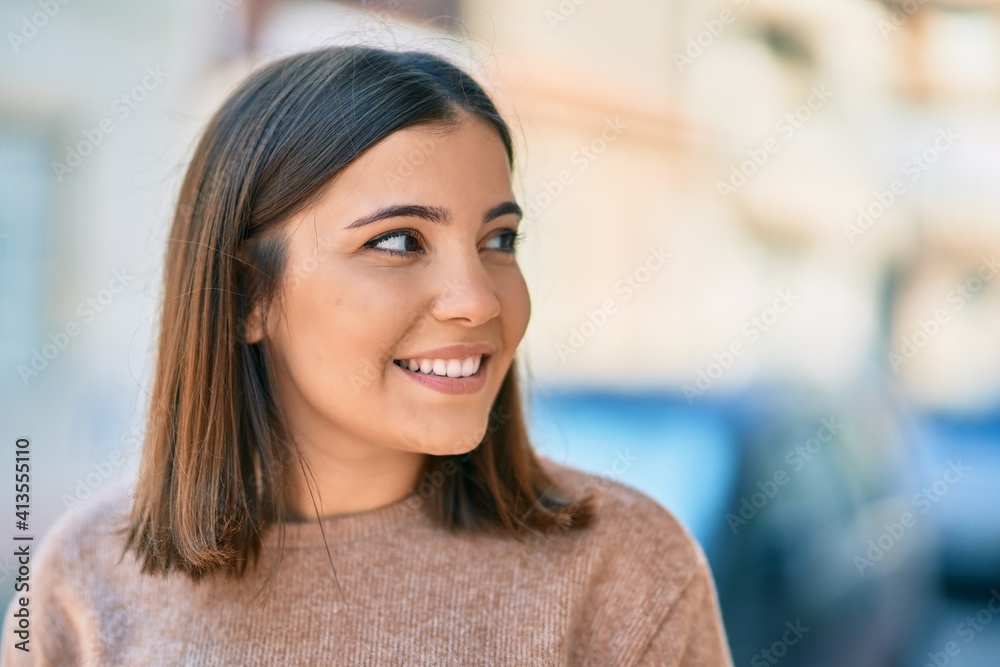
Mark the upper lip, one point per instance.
(456, 351)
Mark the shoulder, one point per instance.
(628, 517)
(74, 558)
(642, 561)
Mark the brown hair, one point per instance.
(217, 447)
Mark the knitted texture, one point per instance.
(634, 589)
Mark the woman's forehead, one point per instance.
(419, 162)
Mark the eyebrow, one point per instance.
(432, 213)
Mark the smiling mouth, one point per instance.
(445, 368)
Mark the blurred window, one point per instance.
(24, 208)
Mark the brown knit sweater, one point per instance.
(634, 589)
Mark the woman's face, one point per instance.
(435, 269)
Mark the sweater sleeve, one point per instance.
(52, 637)
(693, 626)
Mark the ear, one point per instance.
(253, 327)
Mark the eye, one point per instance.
(510, 239)
(396, 243)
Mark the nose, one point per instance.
(468, 292)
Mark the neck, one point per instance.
(346, 480)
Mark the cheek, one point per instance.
(515, 305)
(340, 332)
(361, 318)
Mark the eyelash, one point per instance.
(516, 238)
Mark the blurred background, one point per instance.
(761, 246)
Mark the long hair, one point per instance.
(217, 450)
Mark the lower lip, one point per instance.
(447, 385)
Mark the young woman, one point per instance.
(336, 467)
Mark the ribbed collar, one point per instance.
(348, 527)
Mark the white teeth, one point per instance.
(444, 367)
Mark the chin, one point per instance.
(462, 443)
